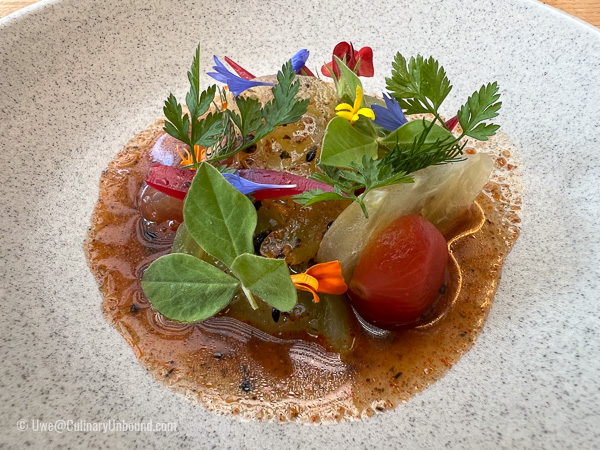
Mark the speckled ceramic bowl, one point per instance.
(78, 78)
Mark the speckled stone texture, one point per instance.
(79, 78)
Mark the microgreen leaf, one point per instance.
(255, 121)
(177, 123)
(482, 105)
(219, 217)
(184, 288)
(343, 144)
(307, 198)
(267, 278)
(208, 131)
(419, 86)
(406, 134)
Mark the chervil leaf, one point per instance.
(250, 116)
(317, 195)
(209, 130)
(480, 106)
(254, 119)
(419, 86)
(284, 108)
(177, 123)
(184, 288)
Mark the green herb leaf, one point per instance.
(311, 196)
(208, 131)
(346, 85)
(184, 288)
(254, 121)
(267, 278)
(419, 86)
(343, 144)
(480, 106)
(406, 134)
(219, 217)
(177, 123)
(433, 145)
(284, 108)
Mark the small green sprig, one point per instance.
(370, 174)
(224, 130)
(419, 86)
(221, 221)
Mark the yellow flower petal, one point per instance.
(358, 99)
(343, 106)
(367, 112)
(345, 114)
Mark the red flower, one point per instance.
(345, 51)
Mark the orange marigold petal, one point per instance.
(329, 277)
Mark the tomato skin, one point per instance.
(400, 273)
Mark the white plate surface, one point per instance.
(78, 78)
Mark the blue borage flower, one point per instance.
(236, 84)
(390, 118)
(248, 187)
(299, 59)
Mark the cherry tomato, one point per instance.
(399, 275)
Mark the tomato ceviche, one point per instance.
(302, 205)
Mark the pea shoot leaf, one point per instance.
(184, 288)
(269, 279)
(219, 217)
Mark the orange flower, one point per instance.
(325, 278)
(187, 160)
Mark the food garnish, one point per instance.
(286, 262)
(367, 150)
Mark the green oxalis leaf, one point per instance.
(343, 144)
(187, 289)
(269, 279)
(219, 217)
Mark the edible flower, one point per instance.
(248, 187)
(325, 278)
(391, 117)
(360, 61)
(299, 60)
(350, 112)
(187, 160)
(451, 123)
(236, 84)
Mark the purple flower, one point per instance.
(299, 59)
(248, 187)
(390, 118)
(236, 84)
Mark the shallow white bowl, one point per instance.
(78, 78)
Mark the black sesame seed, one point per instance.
(311, 154)
(442, 289)
(134, 308)
(246, 385)
(275, 313)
